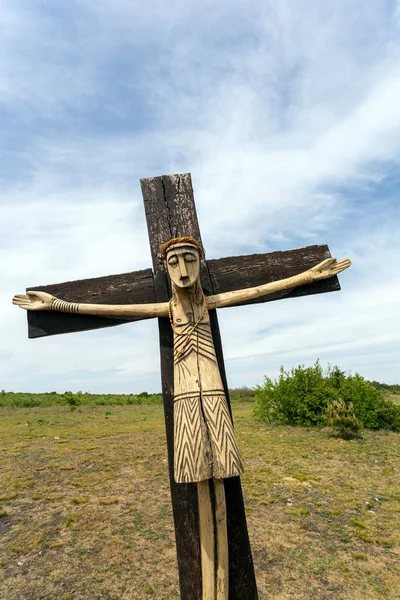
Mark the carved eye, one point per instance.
(173, 260)
(190, 257)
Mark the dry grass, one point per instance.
(394, 398)
(85, 510)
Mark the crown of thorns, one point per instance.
(181, 240)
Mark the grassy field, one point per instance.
(85, 509)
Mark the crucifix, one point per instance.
(184, 290)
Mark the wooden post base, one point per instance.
(213, 540)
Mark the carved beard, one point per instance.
(195, 292)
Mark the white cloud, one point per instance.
(286, 114)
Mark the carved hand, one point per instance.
(328, 268)
(33, 300)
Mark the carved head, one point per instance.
(183, 256)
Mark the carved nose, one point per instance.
(182, 268)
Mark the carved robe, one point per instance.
(204, 440)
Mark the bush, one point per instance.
(370, 405)
(72, 399)
(301, 397)
(340, 416)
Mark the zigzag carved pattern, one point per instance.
(225, 451)
(192, 461)
(204, 448)
(201, 341)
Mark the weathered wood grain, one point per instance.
(170, 212)
(241, 272)
(169, 207)
(127, 288)
(161, 227)
(219, 275)
(241, 569)
(207, 539)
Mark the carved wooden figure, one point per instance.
(205, 449)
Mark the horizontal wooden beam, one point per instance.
(127, 288)
(239, 272)
(222, 275)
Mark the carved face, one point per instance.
(183, 262)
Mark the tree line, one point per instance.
(27, 400)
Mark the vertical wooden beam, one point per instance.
(170, 212)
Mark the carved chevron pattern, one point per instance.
(205, 444)
(225, 451)
(192, 461)
(201, 341)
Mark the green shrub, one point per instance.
(72, 399)
(340, 416)
(302, 395)
(370, 405)
(299, 397)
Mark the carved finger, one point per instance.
(343, 264)
(340, 268)
(325, 264)
(20, 296)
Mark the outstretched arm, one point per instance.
(324, 270)
(45, 301)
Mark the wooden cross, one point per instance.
(170, 213)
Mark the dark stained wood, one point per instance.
(238, 272)
(170, 212)
(220, 275)
(127, 288)
(169, 206)
(242, 583)
(163, 224)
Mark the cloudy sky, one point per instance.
(287, 115)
